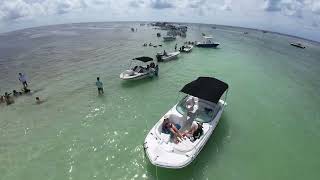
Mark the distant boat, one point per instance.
(164, 57)
(245, 33)
(299, 45)
(187, 48)
(132, 29)
(264, 31)
(169, 38)
(208, 43)
(203, 34)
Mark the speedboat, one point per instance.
(186, 48)
(163, 57)
(209, 96)
(207, 43)
(299, 45)
(140, 72)
(169, 38)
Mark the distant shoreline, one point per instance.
(185, 23)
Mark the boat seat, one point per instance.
(166, 137)
(187, 145)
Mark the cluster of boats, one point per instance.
(203, 102)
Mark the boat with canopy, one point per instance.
(203, 104)
(149, 69)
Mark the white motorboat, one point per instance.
(207, 43)
(140, 72)
(169, 38)
(209, 96)
(299, 45)
(186, 48)
(164, 57)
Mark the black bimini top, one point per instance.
(207, 88)
(143, 59)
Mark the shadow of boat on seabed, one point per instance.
(208, 155)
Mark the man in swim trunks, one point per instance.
(23, 80)
(99, 84)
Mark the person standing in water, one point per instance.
(99, 85)
(23, 80)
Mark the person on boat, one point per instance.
(23, 80)
(164, 52)
(7, 98)
(99, 85)
(195, 131)
(172, 129)
(15, 93)
(175, 47)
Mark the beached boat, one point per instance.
(207, 43)
(140, 72)
(209, 98)
(164, 57)
(186, 48)
(169, 38)
(299, 45)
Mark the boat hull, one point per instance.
(214, 45)
(166, 155)
(125, 77)
(299, 46)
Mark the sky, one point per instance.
(294, 17)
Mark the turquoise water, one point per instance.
(270, 129)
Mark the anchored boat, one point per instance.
(208, 95)
(207, 43)
(149, 69)
(169, 38)
(164, 57)
(186, 48)
(299, 45)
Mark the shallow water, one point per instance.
(270, 129)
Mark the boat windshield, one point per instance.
(206, 110)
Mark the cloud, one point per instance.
(227, 5)
(272, 5)
(287, 7)
(136, 3)
(316, 7)
(196, 4)
(161, 4)
(15, 9)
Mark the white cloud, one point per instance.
(15, 9)
(316, 7)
